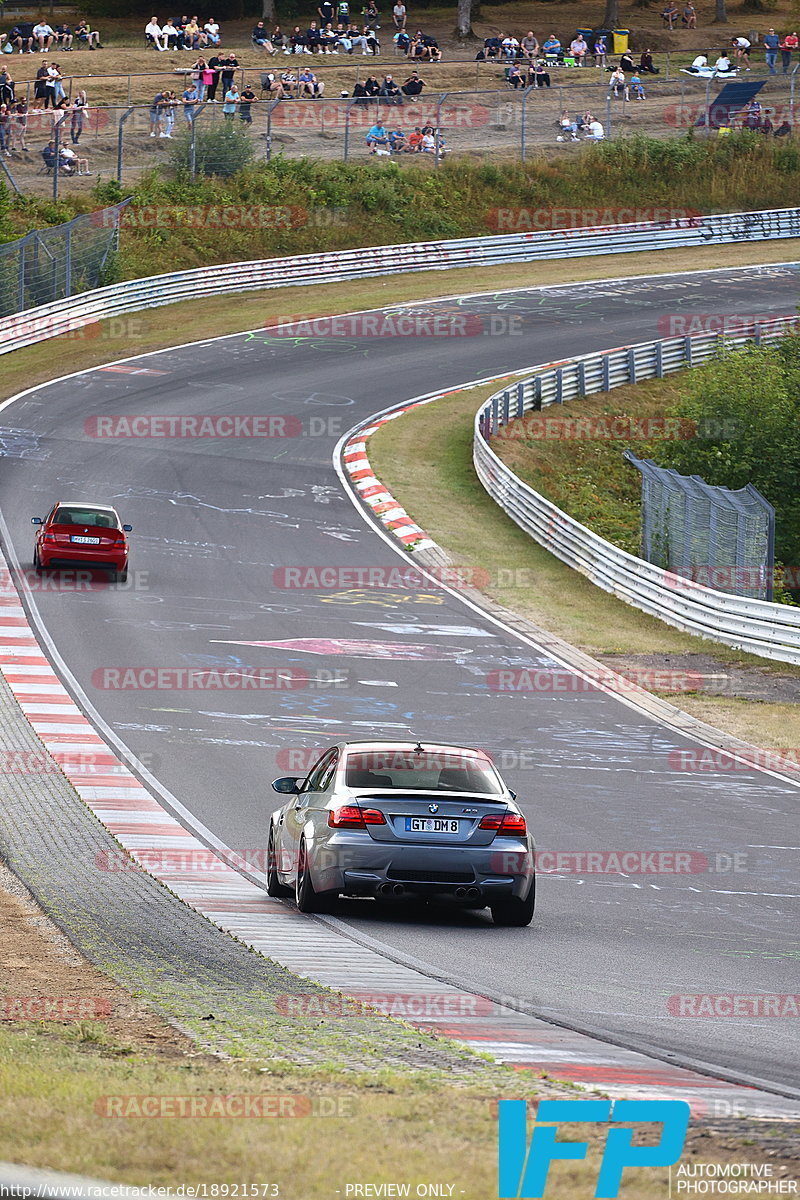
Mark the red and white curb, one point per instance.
(315, 950)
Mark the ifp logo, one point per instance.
(523, 1169)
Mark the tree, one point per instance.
(269, 10)
(611, 17)
(467, 9)
(721, 17)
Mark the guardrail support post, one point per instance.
(537, 394)
(606, 373)
(506, 407)
(559, 385)
(631, 365)
(687, 350)
(520, 399)
(581, 378)
(659, 360)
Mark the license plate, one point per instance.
(85, 541)
(431, 825)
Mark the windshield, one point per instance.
(85, 516)
(428, 770)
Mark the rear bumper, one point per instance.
(82, 558)
(468, 874)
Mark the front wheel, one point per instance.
(274, 886)
(309, 900)
(511, 911)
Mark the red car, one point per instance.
(89, 534)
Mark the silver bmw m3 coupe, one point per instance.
(390, 819)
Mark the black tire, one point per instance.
(309, 901)
(37, 562)
(274, 885)
(512, 911)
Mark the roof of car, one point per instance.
(86, 504)
(409, 744)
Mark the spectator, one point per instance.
(617, 86)
(742, 47)
(49, 156)
(44, 36)
(227, 67)
(377, 137)
(723, 64)
(156, 114)
(646, 63)
(199, 78)
(43, 86)
(600, 51)
(289, 84)
(428, 144)
(637, 88)
(343, 11)
(370, 39)
(413, 87)
(326, 12)
(789, 43)
(397, 141)
(399, 15)
(6, 87)
(510, 47)
(170, 34)
(168, 108)
(273, 85)
(390, 92)
(626, 62)
(193, 37)
(578, 48)
(189, 102)
(552, 47)
(214, 65)
(415, 141)
(537, 75)
(154, 36)
(64, 36)
(783, 130)
(312, 39)
(230, 102)
(84, 33)
(260, 38)
(181, 28)
(751, 116)
(670, 14)
(55, 80)
(568, 128)
(595, 133)
(371, 14)
(248, 99)
(327, 40)
(278, 38)
(530, 45)
(766, 124)
(310, 85)
(771, 44)
(5, 131)
(492, 47)
(514, 76)
(699, 64)
(689, 18)
(69, 159)
(434, 54)
(211, 30)
(19, 125)
(372, 87)
(297, 41)
(21, 36)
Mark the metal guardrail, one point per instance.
(50, 320)
(757, 626)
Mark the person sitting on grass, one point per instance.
(538, 76)
(530, 45)
(397, 141)
(413, 87)
(492, 47)
(600, 51)
(552, 47)
(567, 127)
(689, 18)
(377, 137)
(514, 76)
(390, 92)
(617, 86)
(595, 131)
(310, 85)
(646, 63)
(637, 88)
(415, 141)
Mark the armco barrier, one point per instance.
(37, 324)
(770, 630)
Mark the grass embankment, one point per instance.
(425, 459)
(336, 205)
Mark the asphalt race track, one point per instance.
(215, 522)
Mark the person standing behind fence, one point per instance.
(789, 43)
(156, 113)
(199, 69)
(6, 87)
(54, 73)
(76, 120)
(189, 102)
(42, 87)
(214, 66)
(230, 102)
(19, 126)
(168, 113)
(246, 102)
(771, 44)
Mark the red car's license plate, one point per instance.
(85, 541)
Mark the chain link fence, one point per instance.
(121, 141)
(711, 535)
(52, 264)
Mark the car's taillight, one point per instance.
(50, 537)
(511, 824)
(350, 816)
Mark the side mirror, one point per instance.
(37, 521)
(127, 528)
(288, 785)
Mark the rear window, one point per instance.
(428, 770)
(85, 516)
